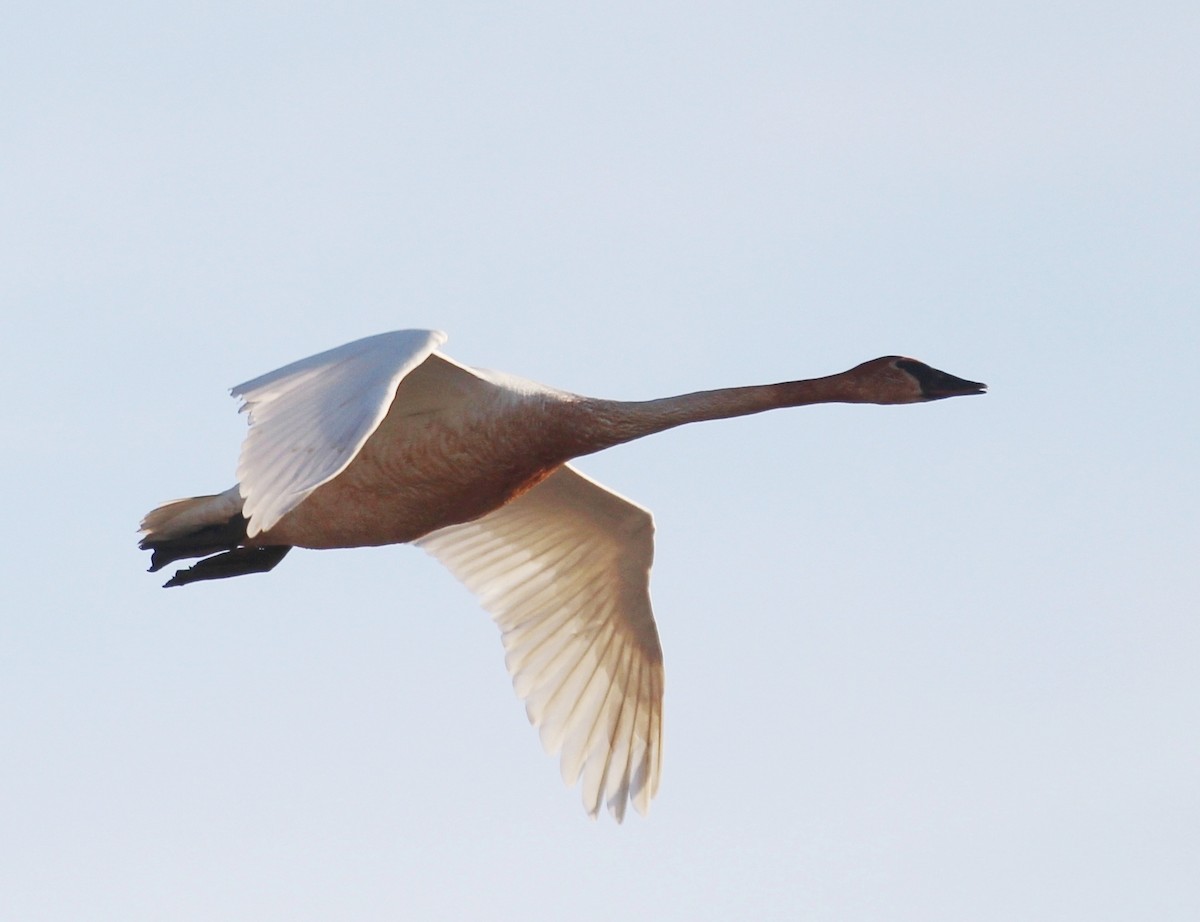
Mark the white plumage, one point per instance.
(386, 440)
(310, 418)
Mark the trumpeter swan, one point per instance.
(386, 440)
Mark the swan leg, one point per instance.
(237, 562)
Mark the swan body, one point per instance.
(386, 440)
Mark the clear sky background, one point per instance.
(923, 663)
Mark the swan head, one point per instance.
(898, 379)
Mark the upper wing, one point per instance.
(565, 572)
(309, 419)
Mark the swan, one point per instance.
(387, 440)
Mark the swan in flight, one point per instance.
(386, 440)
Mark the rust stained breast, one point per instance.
(420, 471)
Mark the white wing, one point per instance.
(565, 572)
(310, 418)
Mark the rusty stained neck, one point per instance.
(604, 423)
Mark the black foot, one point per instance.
(237, 562)
(203, 541)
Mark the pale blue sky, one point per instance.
(923, 663)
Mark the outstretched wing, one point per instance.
(565, 572)
(310, 418)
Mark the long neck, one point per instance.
(611, 422)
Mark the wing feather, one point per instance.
(564, 571)
(310, 418)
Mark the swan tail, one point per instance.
(211, 527)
